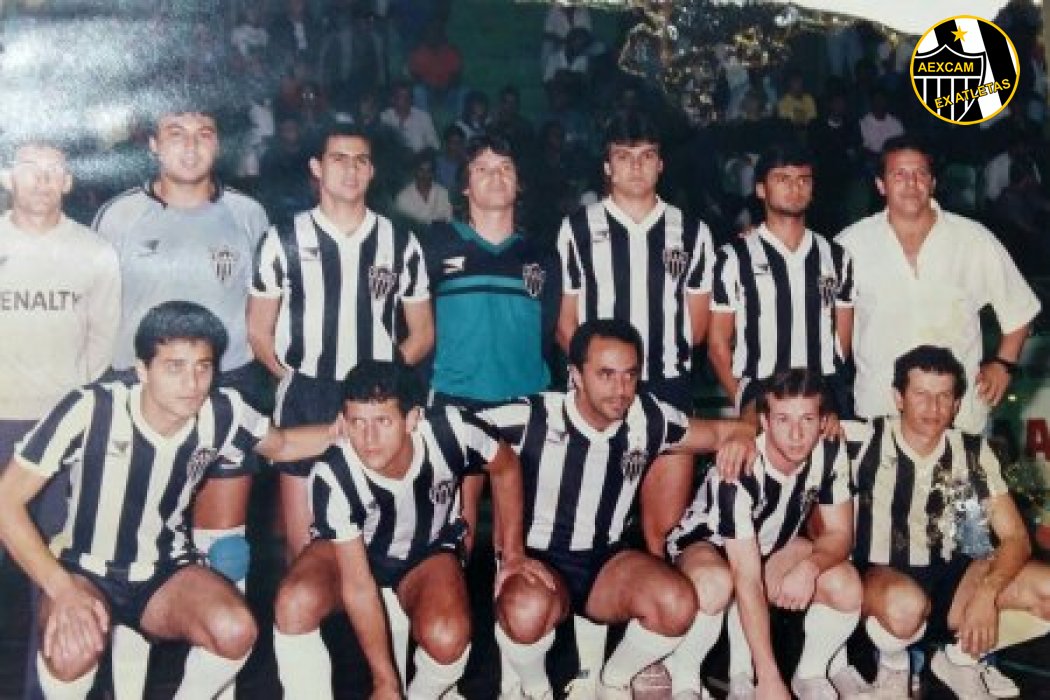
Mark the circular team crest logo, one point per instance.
(964, 70)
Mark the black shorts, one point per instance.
(578, 570)
(127, 600)
(939, 581)
(303, 400)
(388, 571)
(677, 391)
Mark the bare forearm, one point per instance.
(365, 610)
(721, 358)
(415, 347)
(1011, 343)
(1006, 562)
(293, 444)
(507, 509)
(754, 618)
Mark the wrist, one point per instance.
(1011, 367)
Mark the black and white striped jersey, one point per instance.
(641, 273)
(783, 301)
(580, 483)
(766, 505)
(341, 294)
(400, 518)
(130, 487)
(908, 506)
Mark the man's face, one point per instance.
(787, 190)
(492, 181)
(186, 146)
(907, 183)
(928, 404)
(633, 170)
(38, 179)
(177, 380)
(607, 382)
(401, 100)
(344, 170)
(792, 426)
(379, 432)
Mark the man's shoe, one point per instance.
(891, 684)
(741, 687)
(999, 685)
(851, 685)
(819, 688)
(965, 681)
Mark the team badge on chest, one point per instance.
(199, 461)
(442, 492)
(223, 261)
(533, 276)
(381, 281)
(633, 463)
(676, 262)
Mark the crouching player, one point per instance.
(381, 507)
(743, 537)
(136, 454)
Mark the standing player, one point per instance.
(136, 454)
(927, 573)
(922, 276)
(782, 296)
(584, 456)
(335, 286)
(742, 537)
(384, 517)
(635, 258)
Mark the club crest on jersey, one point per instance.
(442, 492)
(633, 463)
(533, 276)
(809, 498)
(199, 461)
(381, 281)
(676, 262)
(223, 261)
(149, 247)
(372, 516)
(828, 285)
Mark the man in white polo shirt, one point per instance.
(922, 276)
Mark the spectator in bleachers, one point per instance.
(756, 101)
(509, 123)
(561, 19)
(295, 33)
(451, 158)
(250, 35)
(997, 171)
(836, 143)
(350, 57)
(473, 121)
(878, 125)
(424, 201)
(1021, 212)
(797, 106)
(415, 126)
(437, 66)
(554, 176)
(566, 109)
(284, 178)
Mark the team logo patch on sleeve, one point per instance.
(676, 262)
(199, 461)
(442, 492)
(633, 463)
(223, 260)
(533, 276)
(964, 70)
(381, 281)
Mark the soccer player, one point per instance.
(943, 551)
(584, 456)
(331, 289)
(743, 538)
(384, 506)
(782, 295)
(136, 453)
(922, 275)
(636, 258)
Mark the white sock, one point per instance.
(303, 665)
(400, 626)
(827, 629)
(1017, 626)
(740, 662)
(957, 656)
(55, 689)
(508, 677)
(683, 665)
(893, 651)
(130, 662)
(638, 648)
(207, 674)
(838, 662)
(433, 679)
(590, 645)
(527, 662)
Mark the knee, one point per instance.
(714, 589)
(840, 588)
(68, 667)
(231, 632)
(444, 637)
(298, 608)
(905, 611)
(526, 611)
(673, 606)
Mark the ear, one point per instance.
(315, 168)
(880, 186)
(898, 400)
(574, 377)
(153, 145)
(607, 169)
(140, 371)
(67, 183)
(760, 190)
(412, 419)
(763, 422)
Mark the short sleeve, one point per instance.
(271, 268)
(835, 485)
(989, 481)
(334, 517)
(730, 516)
(571, 276)
(509, 420)
(846, 293)
(415, 283)
(725, 282)
(676, 425)
(701, 266)
(477, 440)
(46, 449)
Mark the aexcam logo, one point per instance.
(964, 70)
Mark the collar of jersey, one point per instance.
(935, 230)
(354, 237)
(388, 482)
(628, 223)
(918, 460)
(798, 254)
(467, 233)
(216, 191)
(767, 464)
(572, 413)
(155, 438)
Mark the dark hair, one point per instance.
(929, 358)
(630, 128)
(375, 381)
(904, 142)
(179, 320)
(450, 131)
(793, 383)
(338, 130)
(613, 328)
(782, 155)
(176, 99)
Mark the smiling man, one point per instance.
(330, 291)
